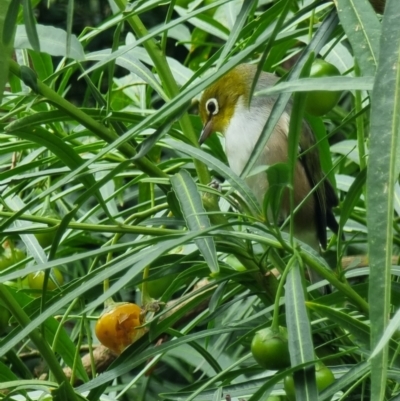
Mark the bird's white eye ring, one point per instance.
(212, 107)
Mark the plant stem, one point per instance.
(275, 317)
(343, 287)
(120, 228)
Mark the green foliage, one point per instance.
(102, 125)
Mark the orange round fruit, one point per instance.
(117, 326)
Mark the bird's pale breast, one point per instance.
(241, 137)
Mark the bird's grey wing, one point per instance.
(325, 197)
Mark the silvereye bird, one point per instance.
(225, 108)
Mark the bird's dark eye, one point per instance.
(212, 106)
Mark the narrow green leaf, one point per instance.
(26, 384)
(397, 198)
(51, 116)
(8, 10)
(15, 203)
(296, 138)
(70, 19)
(62, 228)
(195, 215)
(237, 183)
(206, 23)
(277, 27)
(319, 129)
(42, 64)
(235, 32)
(353, 197)
(299, 333)
(363, 30)
(381, 178)
(318, 84)
(7, 28)
(392, 328)
(217, 395)
(340, 55)
(30, 25)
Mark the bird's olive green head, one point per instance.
(218, 102)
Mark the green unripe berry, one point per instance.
(271, 349)
(319, 103)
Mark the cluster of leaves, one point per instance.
(120, 186)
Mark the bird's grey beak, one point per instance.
(206, 132)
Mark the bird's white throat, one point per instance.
(241, 136)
